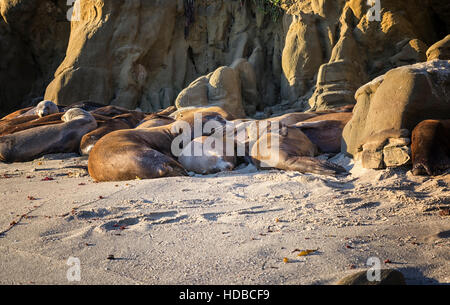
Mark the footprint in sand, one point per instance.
(231, 216)
(164, 217)
(142, 222)
(366, 205)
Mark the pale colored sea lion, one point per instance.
(204, 155)
(108, 125)
(290, 149)
(430, 147)
(32, 143)
(42, 109)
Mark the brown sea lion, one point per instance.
(203, 155)
(292, 118)
(17, 124)
(85, 105)
(112, 111)
(155, 120)
(15, 114)
(168, 111)
(108, 125)
(134, 153)
(326, 130)
(32, 143)
(290, 149)
(430, 147)
(189, 111)
(145, 153)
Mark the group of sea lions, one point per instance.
(125, 145)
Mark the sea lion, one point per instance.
(203, 156)
(430, 147)
(290, 149)
(168, 111)
(189, 111)
(85, 105)
(134, 153)
(326, 130)
(32, 143)
(112, 111)
(145, 153)
(292, 118)
(42, 109)
(155, 120)
(15, 114)
(108, 125)
(17, 125)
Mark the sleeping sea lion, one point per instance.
(290, 149)
(189, 111)
(168, 111)
(15, 114)
(31, 122)
(32, 143)
(144, 153)
(326, 130)
(42, 109)
(155, 120)
(112, 111)
(203, 155)
(108, 125)
(292, 118)
(134, 153)
(85, 105)
(430, 147)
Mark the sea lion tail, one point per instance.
(316, 166)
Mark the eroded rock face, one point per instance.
(392, 103)
(135, 53)
(140, 53)
(33, 41)
(366, 49)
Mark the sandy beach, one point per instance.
(240, 227)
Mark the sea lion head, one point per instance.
(45, 108)
(76, 114)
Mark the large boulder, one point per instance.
(219, 88)
(393, 104)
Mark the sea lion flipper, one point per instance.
(312, 165)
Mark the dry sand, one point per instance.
(228, 228)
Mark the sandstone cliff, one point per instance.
(144, 53)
